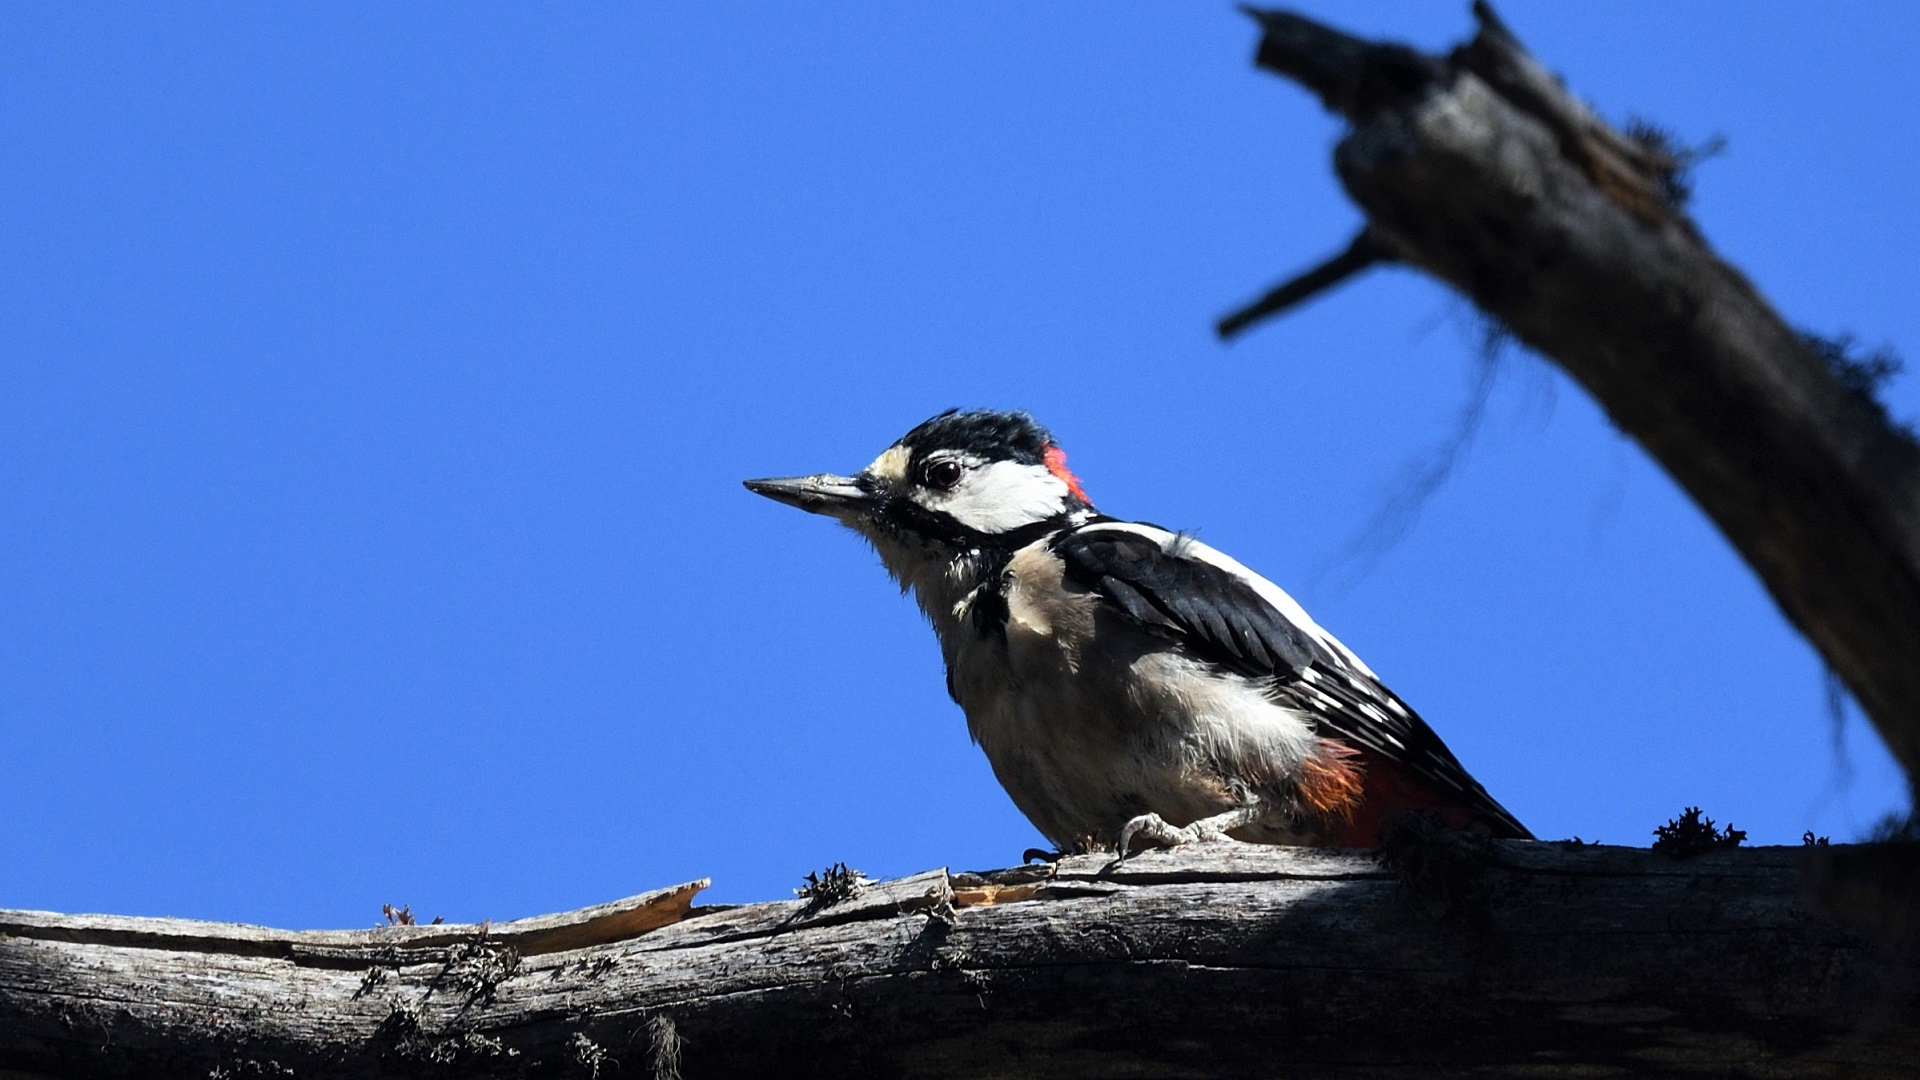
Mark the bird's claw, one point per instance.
(1154, 829)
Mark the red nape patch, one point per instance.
(1056, 460)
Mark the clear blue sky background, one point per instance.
(378, 381)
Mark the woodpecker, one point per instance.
(1130, 685)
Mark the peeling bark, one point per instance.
(1513, 959)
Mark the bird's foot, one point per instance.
(1154, 830)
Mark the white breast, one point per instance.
(1089, 720)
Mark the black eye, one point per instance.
(942, 475)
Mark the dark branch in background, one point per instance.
(1675, 161)
(1863, 376)
(1449, 956)
(1362, 254)
(1482, 170)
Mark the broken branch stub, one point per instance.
(1482, 170)
(1362, 253)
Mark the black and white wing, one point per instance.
(1224, 613)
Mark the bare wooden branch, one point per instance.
(1482, 170)
(1514, 959)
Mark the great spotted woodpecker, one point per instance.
(1130, 685)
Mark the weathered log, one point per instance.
(1508, 959)
(1482, 170)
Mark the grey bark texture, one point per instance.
(1469, 958)
(1482, 170)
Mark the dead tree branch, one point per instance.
(1481, 169)
(1492, 960)
(1363, 253)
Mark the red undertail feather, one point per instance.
(1330, 781)
(1387, 790)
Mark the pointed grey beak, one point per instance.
(822, 494)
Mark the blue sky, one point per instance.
(378, 380)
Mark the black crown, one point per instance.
(994, 436)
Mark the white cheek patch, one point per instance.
(1003, 496)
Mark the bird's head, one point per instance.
(960, 482)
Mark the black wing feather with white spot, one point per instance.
(1216, 615)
